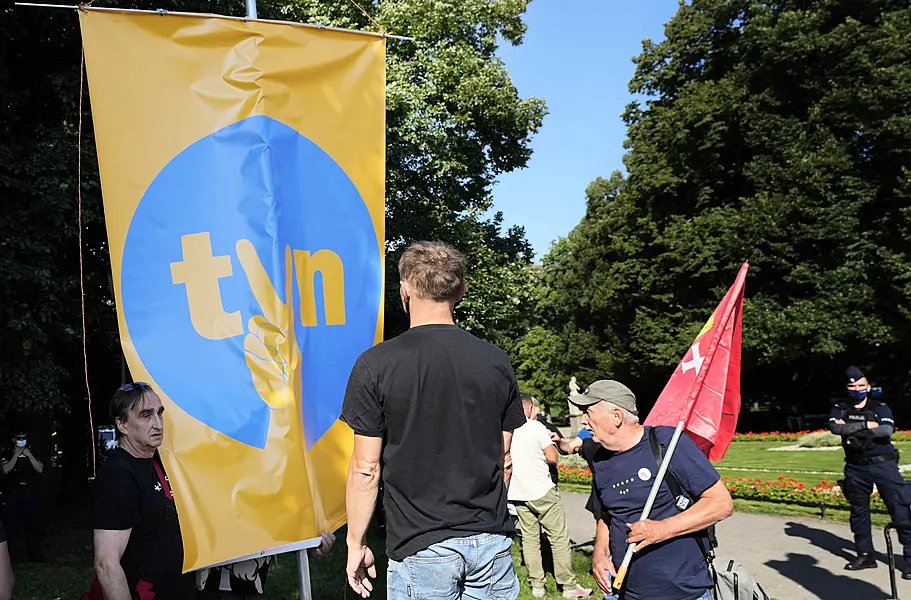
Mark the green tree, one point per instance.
(774, 131)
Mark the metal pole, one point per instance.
(662, 469)
(251, 9)
(891, 554)
(303, 573)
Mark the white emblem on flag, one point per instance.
(696, 362)
(645, 474)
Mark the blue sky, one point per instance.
(577, 56)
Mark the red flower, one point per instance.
(733, 488)
(781, 478)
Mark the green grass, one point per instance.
(68, 572)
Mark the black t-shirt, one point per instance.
(129, 495)
(441, 399)
(2, 533)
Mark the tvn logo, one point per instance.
(200, 271)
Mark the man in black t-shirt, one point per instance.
(437, 407)
(137, 536)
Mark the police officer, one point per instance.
(865, 426)
(21, 471)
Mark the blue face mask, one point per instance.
(858, 395)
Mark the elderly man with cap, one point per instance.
(669, 562)
(865, 426)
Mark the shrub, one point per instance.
(819, 439)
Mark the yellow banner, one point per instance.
(242, 169)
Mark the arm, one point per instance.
(714, 505)
(10, 464)
(880, 430)
(839, 427)
(363, 484)
(601, 557)
(506, 463)
(360, 498)
(36, 464)
(109, 548)
(567, 445)
(884, 425)
(550, 455)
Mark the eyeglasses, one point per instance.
(140, 385)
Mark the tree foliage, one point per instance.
(774, 131)
(455, 122)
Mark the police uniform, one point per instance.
(870, 458)
(23, 514)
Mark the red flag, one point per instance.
(704, 390)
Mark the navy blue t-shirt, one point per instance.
(671, 570)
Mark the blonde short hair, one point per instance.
(435, 270)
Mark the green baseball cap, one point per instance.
(607, 390)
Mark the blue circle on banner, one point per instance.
(262, 181)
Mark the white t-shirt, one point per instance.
(530, 473)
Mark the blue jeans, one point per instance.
(478, 567)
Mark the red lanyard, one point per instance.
(161, 478)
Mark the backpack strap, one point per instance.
(682, 500)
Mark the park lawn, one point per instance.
(68, 572)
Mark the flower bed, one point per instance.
(787, 436)
(570, 474)
(769, 436)
(790, 490)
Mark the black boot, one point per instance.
(906, 574)
(865, 560)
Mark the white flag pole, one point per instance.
(303, 574)
(656, 486)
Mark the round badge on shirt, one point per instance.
(645, 474)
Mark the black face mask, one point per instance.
(857, 395)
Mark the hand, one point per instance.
(325, 545)
(601, 562)
(839, 422)
(26, 453)
(872, 424)
(360, 564)
(645, 533)
(272, 353)
(555, 436)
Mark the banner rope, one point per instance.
(366, 14)
(85, 354)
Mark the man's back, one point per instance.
(441, 399)
(530, 473)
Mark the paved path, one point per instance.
(793, 558)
